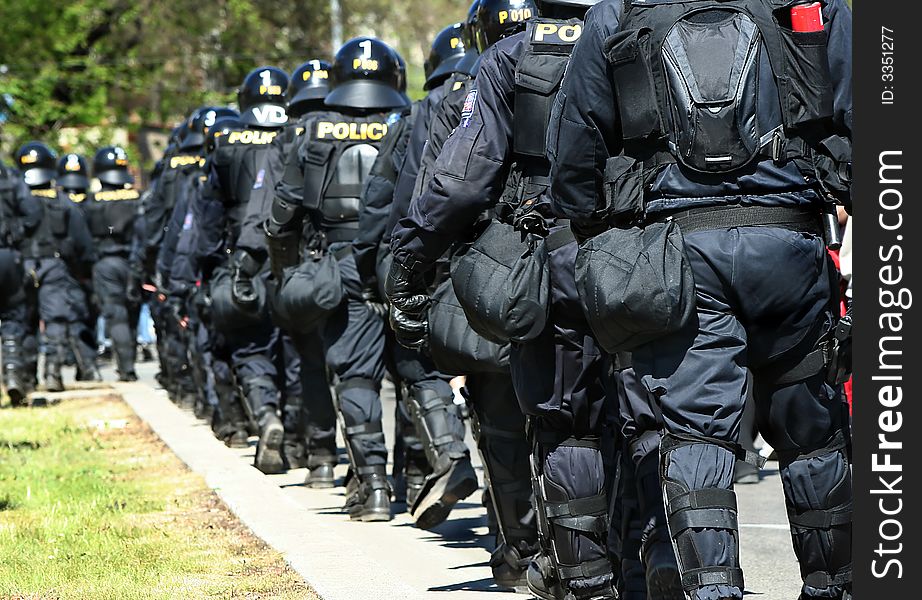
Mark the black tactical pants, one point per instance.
(499, 429)
(560, 382)
(318, 416)
(764, 298)
(12, 320)
(87, 307)
(52, 290)
(353, 340)
(110, 282)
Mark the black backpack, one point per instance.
(688, 79)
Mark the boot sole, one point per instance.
(269, 452)
(456, 485)
(320, 485)
(664, 583)
(17, 397)
(374, 516)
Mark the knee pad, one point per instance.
(572, 508)
(432, 413)
(358, 434)
(818, 492)
(701, 509)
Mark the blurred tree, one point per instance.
(129, 64)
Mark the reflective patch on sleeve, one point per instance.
(467, 111)
(260, 178)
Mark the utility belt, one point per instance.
(341, 232)
(801, 219)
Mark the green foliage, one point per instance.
(127, 64)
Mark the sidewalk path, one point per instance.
(344, 560)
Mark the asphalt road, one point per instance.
(449, 563)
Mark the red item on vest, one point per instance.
(807, 17)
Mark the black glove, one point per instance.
(374, 302)
(409, 306)
(133, 288)
(243, 290)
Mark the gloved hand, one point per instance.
(133, 287)
(409, 306)
(374, 303)
(243, 289)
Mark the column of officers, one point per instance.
(602, 227)
(69, 256)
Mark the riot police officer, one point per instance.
(58, 252)
(207, 344)
(753, 288)
(497, 422)
(257, 346)
(309, 421)
(112, 215)
(19, 216)
(323, 182)
(73, 179)
(495, 159)
(435, 458)
(180, 165)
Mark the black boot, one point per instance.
(54, 382)
(320, 477)
(510, 563)
(13, 379)
(269, 449)
(664, 582)
(453, 477)
(452, 481)
(293, 451)
(371, 498)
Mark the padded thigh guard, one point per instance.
(818, 494)
(571, 500)
(701, 508)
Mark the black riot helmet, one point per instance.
(73, 172)
(309, 85)
(565, 9)
(447, 51)
(199, 123)
(367, 74)
(220, 128)
(110, 166)
(498, 18)
(37, 163)
(261, 97)
(471, 58)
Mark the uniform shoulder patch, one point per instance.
(467, 111)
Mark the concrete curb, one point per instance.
(310, 545)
